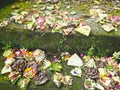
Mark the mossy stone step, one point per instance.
(103, 43)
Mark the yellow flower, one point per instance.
(28, 69)
(11, 56)
(26, 52)
(31, 53)
(105, 78)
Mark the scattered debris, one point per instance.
(75, 60)
(76, 72)
(109, 22)
(21, 67)
(58, 79)
(41, 77)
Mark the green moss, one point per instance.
(3, 78)
(5, 12)
(116, 12)
(84, 7)
(77, 82)
(99, 43)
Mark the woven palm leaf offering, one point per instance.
(103, 72)
(47, 17)
(23, 66)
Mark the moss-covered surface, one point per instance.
(82, 7)
(56, 42)
(99, 43)
(77, 83)
(6, 11)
